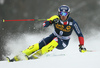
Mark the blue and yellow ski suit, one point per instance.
(63, 31)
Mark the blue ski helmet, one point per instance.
(63, 10)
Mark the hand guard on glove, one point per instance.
(53, 19)
(82, 48)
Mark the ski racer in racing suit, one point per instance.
(63, 27)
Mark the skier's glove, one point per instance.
(55, 20)
(82, 49)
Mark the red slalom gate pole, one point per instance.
(24, 20)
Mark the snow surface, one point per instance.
(67, 58)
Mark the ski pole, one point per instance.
(90, 51)
(24, 20)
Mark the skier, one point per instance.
(63, 27)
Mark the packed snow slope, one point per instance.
(67, 58)
(71, 60)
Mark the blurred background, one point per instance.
(85, 12)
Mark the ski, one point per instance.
(10, 60)
(15, 59)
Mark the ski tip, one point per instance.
(8, 59)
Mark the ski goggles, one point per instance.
(63, 13)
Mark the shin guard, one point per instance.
(31, 49)
(49, 47)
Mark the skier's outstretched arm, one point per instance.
(80, 37)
